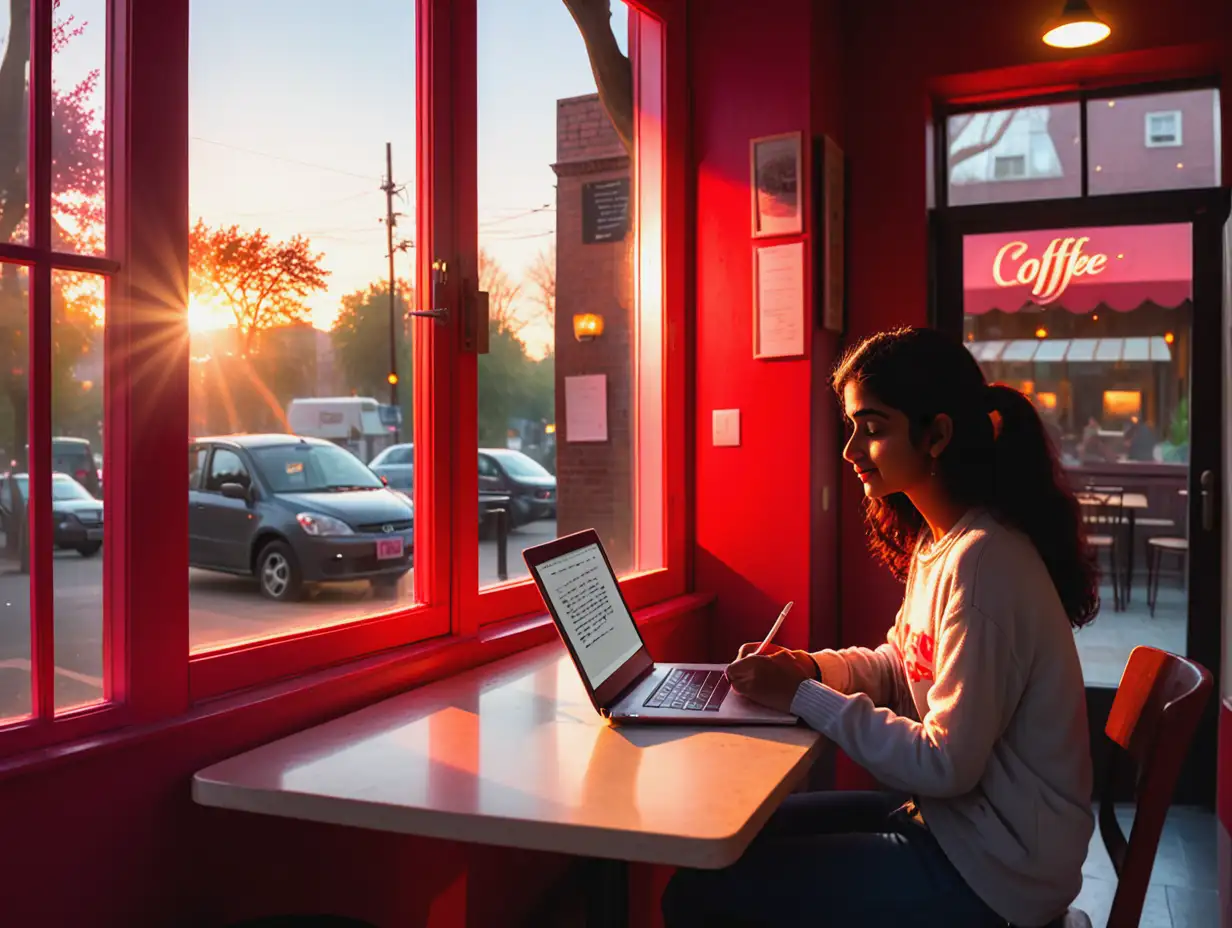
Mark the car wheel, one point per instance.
(278, 573)
(90, 548)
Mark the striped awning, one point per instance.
(1072, 350)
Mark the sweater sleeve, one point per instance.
(945, 754)
(878, 673)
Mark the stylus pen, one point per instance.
(774, 630)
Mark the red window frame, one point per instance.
(657, 50)
(150, 675)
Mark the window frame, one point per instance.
(1177, 139)
(656, 49)
(152, 678)
(943, 109)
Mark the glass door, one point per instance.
(1111, 325)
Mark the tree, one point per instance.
(512, 385)
(542, 274)
(992, 131)
(502, 294)
(612, 70)
(360, 337)
(265, 283)
(78, 178)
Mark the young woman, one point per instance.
(973, 710)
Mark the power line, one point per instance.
(266, 154)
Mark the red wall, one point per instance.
(112, 838)
(764, 535)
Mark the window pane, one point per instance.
(1159, 141)
(1103, 348)
(557, 246)
(78, 203)
(293, 331)
(15, 29)
(78, 314)
(15, 680)
(1029, 153)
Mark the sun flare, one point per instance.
(206, 316)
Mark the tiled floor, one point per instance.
(1105, 643)
(1183, 889)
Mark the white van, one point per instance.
(358, 423)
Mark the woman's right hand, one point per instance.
(803, 659)
(751, 648)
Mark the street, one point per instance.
(223, 610)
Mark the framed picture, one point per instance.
(780, 316)
(832, 211)
(777, 180)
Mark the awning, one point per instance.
(1079, 270)
(1072, 350)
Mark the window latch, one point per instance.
(439, 276)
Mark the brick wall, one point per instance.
(594, 480)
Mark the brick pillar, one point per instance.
(594, 480)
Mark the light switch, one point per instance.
(726, 428)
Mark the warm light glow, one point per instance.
(1050, 274)
(1095, 317)
(1121, 404)
(1180, 165)
(208, 316)
(1112, 103)
(1098, 168)
(1169, 337)
(1041, 332)
(1046, 400)
(587, 326)
(1077, 34)
(392, 378)
(549, 429)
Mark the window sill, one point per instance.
(314, 697)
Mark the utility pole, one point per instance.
(391, 219)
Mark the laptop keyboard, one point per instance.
(699, 690)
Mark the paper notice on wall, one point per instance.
(779, 321)
(586, 408)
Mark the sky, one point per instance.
(291, 104)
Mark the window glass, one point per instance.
(226, 467)
(1028, 153)
(557, 248)
(298, 110)
(196, 464)
(14, 177)
(1157, 141)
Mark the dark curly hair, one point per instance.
(1015, 473)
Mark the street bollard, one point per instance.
(502, 542)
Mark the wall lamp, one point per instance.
(587, 326)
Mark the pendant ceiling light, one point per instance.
(1076, 27)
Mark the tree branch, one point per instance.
(611, 68)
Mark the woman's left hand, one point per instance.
(771, 681)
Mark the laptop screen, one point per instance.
(591, 611)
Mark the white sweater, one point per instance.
(975, 705)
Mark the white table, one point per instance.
(513, 754)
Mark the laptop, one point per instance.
(579, 588)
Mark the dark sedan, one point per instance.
(293, 511)
(527, 483)
(78, 516)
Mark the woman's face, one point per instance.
(880, 448)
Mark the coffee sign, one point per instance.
(1050, 274)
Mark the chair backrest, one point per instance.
(1103, 508)
(1154, 715)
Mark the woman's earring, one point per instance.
(932, 470)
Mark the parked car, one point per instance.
(294, 511)
(75, 457)
(527, 483)
(397, 465)
(78, 516)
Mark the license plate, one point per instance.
(94, 534)
(388, 548)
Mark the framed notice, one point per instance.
(832, 212)
(779, 312)
(605, 211)
(777, 179)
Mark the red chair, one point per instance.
(1153, 719)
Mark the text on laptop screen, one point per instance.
(584, 595)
